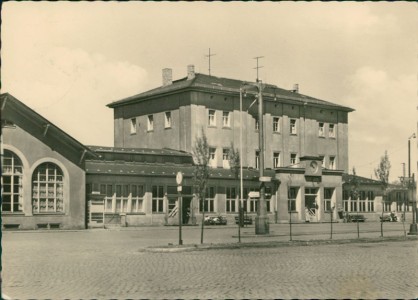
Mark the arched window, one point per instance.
(47, 189)
(12, 174)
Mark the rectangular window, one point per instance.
(332, 164)
(292, 193)
(208, 204)
(109, 190)
(327, 198)
(150, 122)
(225, 158)
(157, 199)
(231, 196)
(118, 190)
(322, 158)
(226, 119)
(276, 159)
(211, 117)
(346, 195)
(370, 202)
(293, 158)
(293, 129)
(353, 205)
(212, 157)
(362, 205)
(345, 205)
(133, 126)
(331, 130)
(102, 189)
(257, 159)
(276, 124)
(321, 131)
(250, 203)
(167, 120)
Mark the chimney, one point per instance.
(167, 76)
(295, 88)
(190, 72)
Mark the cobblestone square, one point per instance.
(105, 264)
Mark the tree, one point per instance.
(382, 173)
(354, 186)
(383, 170)
(234, 161)
(201, 157)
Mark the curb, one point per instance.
(274, 244)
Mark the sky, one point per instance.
(67, 60)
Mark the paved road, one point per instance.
(107, 264)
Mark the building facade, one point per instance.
(298, 131)
(43, 171)
(174, 114)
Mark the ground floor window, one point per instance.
(292, 193)
(353, 205)
(362, 205)
(345, 205)
(137, 198)
(208, 204)
(157, 198)
(231, 197)
(12, 171)
(47, 189)
(370, 205)
(328, 192)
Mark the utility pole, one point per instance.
(261, 220)
(258, 67)
(209, 55)
(411, 190)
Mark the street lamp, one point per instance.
(261, 220)
(413, 226)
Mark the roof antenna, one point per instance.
(258, 67)
(209, 55)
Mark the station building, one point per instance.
(305, 139)
(50, 180)
(43, 171)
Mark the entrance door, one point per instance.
(311, 206)
(95, 212)
(186, 212)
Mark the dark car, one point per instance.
(220, 220)
(247, 220)
(215, 220)
(389, 218)
(356, 218)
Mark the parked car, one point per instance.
(208, 220)
(220, 220)
(389, 218)
(215, 220)
(247, 220)
(356, 218)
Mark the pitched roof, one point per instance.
(26, 118)
(347, 178)
(148, 151)
(225, 85)
(155, 169)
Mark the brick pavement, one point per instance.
(107, 264)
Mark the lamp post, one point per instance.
(261, 220)
(411, 185)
